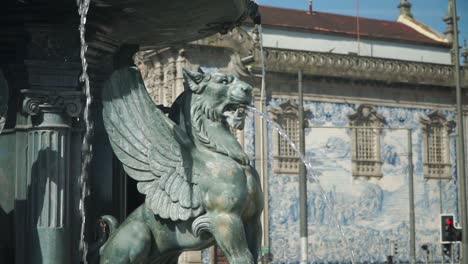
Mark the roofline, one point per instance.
(422, 28)
(442, 44)
(327, 13)
(341, 33)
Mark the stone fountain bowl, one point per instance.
(157, 23)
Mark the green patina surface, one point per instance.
(3, 100)
(199, 185)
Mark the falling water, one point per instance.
(262, 58)
(87, 149)
(310, 172)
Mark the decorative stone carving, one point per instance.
(448, 19)
(162, 70)
(360, 67)
(405, 8)
(436, 130)
(245, 50)
(286, 160)
(189, 167)
(37, 101)
(366, 126)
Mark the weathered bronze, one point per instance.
(3, 101)
(199, 185)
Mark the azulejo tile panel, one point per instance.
(374, 213)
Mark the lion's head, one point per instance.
(220, 97)
(211, 104)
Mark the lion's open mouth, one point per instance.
(235, 115)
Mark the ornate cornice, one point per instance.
(36, 102)
(360, 67)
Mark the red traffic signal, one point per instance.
(446, 228)
(448, 232)
(449, 221)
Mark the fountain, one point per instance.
(42, 57)
(47, 101)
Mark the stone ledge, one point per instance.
(360, 68)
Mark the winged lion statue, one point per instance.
(199, 186)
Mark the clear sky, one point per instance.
(429, 12)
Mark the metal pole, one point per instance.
(302, 175)
(460, 137)
(441, 210)
(452, 259)
(411, 198)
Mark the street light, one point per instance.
(460, 133)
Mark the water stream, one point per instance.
(310, 172)
(87, 148)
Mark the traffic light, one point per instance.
(446, 228)
(448, 232)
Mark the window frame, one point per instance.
(285, 164)
(436, 169)
(370, 165)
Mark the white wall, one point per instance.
(287, 39)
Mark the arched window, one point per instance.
(366, 126)
(436, 146)
(286, 160)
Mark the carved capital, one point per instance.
(36, 102)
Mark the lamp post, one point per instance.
(460, 135)
(302, 175)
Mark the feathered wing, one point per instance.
(149, 146)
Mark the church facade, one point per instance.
(378, 101)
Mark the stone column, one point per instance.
(48, 173)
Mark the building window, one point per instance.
(285, 158)
(290, 125)
(366, 126)
(436, 146)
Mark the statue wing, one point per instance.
(152, 148)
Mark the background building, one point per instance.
(362, 89)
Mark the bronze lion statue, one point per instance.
(197, 180)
